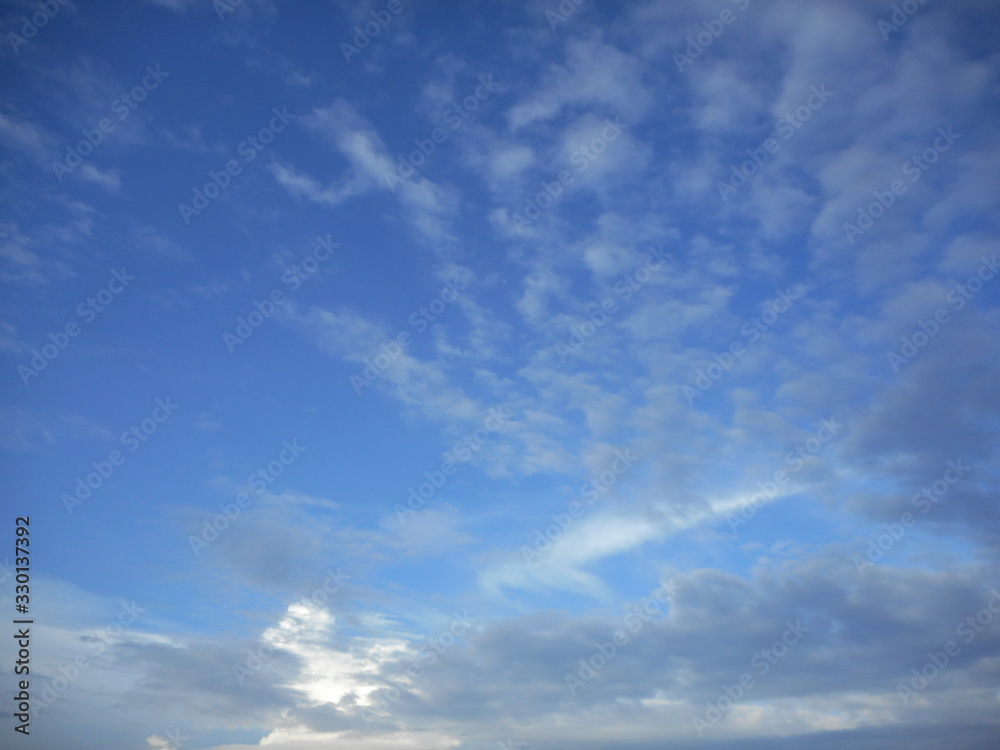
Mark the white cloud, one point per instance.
(595, 74)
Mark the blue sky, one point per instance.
(535, 375)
